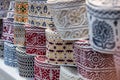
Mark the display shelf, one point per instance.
(10, 73)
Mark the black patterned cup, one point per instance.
(104, 21)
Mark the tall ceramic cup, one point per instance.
(104, 21)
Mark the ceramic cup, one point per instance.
(58, 51)
(94, 65)
(10, 54)
(45, 71)
(21, 11)
(70, 18)
(39, 14)
(35, 41)
(104, 20)
(4, 6)
(25, 63)
(11, 9)
(19, 35)
(8, 30)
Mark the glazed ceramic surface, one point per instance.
(70, 19)
(104, 21)
(45, 71)
(19, 35)
(94, 65)
(8, 30)
(4, 6)
(11, 9)
(21, 11)
(35, 41)
(25, 63)
(10, 54)
(39, 14)
(59, 51)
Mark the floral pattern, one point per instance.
(103, 35)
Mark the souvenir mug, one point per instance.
(94, 65)
(19, 35)
(45, 71)
(4, 5)
(25, 63)
(59, 51)
(35, 41)
(39, 14)
(10, 58)
(21, 11)
(104, 20)
(8, 30)
(70, 18)
(11, 9)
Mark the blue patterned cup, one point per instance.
(104, 21)
(10, 54)
(4, 5)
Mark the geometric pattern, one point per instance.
(35, 41)
(21, 11)
(10, 54)
(45, 71)
(25, 63)
(58, 51)
(8, 30)
(92, 64)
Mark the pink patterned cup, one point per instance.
(94, 65)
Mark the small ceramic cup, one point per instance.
(10, 57)
(25, 63)
(39, 14)
(104, 21)
(11, 9)
(35, 41)
(45, 71)
(8, 30)
(59, 51)
(94, 65)
(4, 7)
(19, 35)
(21, 11)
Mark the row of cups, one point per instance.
(75, 20)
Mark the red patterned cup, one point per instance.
(94, 65)
(45, 71)
(8, 30)
(35, 40)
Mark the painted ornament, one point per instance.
(70, 18)
(94, 65)
(45, 71)
(104, 20)
(59, 51)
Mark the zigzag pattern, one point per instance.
(108, 14)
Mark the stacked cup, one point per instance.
(104, 18)
(8, 37)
